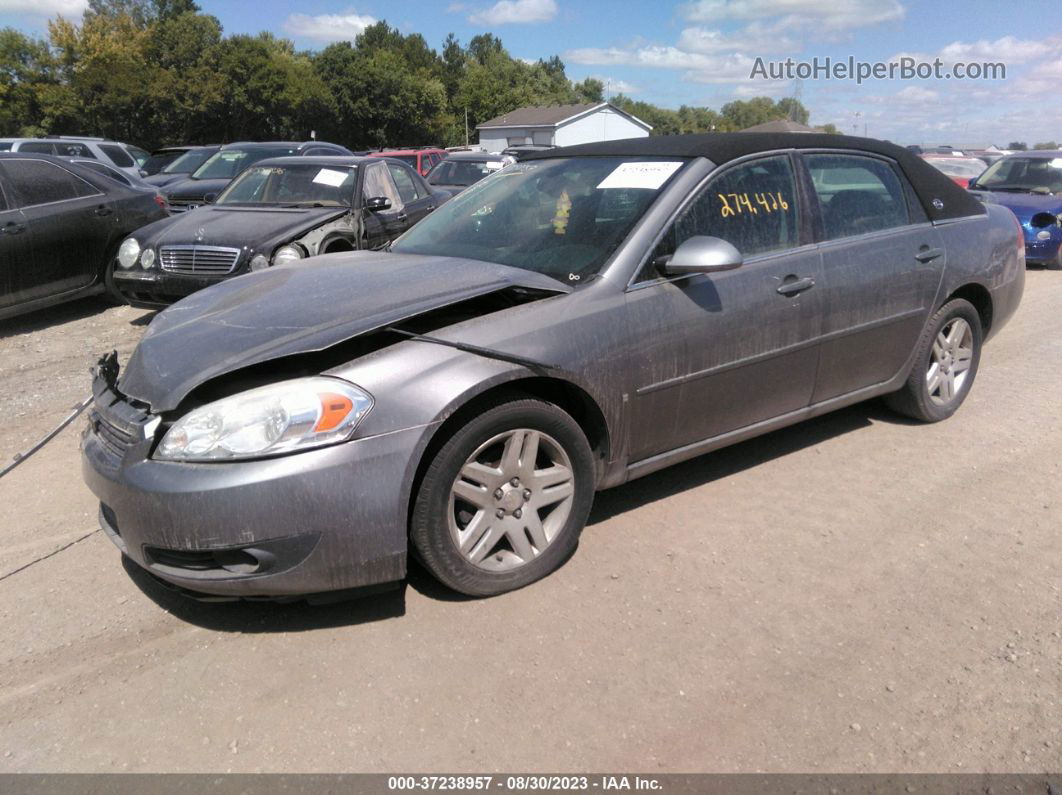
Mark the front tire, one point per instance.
(113, 294)
(503, 501)
(949, 352)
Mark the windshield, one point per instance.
(189, 161)
(561, 217)
(410, 159)
(1024, 175)
(463, 172)
(227, 163)
(292, 186)
(957, 167)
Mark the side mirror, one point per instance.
(210, 198)
(702, 254)
(377, 203)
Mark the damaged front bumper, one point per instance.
(321, 520)
(152, 289)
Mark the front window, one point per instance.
(227, 163)
(561, 217)
(302, 185)
(1023, 175)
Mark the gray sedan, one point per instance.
(581, 318)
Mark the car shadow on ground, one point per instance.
(253, 617)
(59, 314)
(266, 616)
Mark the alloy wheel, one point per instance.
(510, 499)
(950, 361)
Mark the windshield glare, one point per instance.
(561, 217)
(227, 163)
(1039, 174)
(188, 162)
(303, 184)
(463, 172)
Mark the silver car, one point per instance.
(583, 317)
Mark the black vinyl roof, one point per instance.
(931, 185)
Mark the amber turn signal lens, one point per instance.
(334, 409)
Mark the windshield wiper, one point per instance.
(489, 353)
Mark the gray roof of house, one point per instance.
(549, 116)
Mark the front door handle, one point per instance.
(402, 217)
(796, 286)
(103, 209)
(11, 228)
(927, 254)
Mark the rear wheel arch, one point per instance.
(981, 299)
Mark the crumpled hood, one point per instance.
(299, 308)
(238, 226)
(1023, 205)
(188, 190)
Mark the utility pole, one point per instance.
(466, 126)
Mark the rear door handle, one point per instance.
(926, 254)
(103, 209)
(11, 228)
(796, 286)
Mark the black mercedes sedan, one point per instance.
(204, 184)
(581, 318)
(277, 211)
(60, 227)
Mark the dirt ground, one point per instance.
(856, 593)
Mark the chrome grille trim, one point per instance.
(194, 260)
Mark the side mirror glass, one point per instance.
(377, 203)
(702, 254)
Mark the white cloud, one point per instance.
(824, 14)
(699, 68)
(915, 94)
(506, 12)
(755, 38)
(455, 8)
(326, 27)
(44, 8)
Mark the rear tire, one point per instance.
(949, 352)
(503, 501)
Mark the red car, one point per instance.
(962, 170)
(421, 159)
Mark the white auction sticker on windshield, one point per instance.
(650, 175)
(329, 176)
(1055, 162)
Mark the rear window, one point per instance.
(64, 149)
(39, 182)
(408, 159)
(227, 163)
(5, 146)
(118, 155)
(857, 194)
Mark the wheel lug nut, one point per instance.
(514, 482)
(518, 513)
(499, 513)
(527, 494)
(498, 494)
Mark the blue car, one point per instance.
(1030, 185)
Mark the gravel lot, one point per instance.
(853, 594)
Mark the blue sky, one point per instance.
(701, 52)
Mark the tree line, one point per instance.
(156, 72)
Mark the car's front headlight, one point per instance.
(259, 262)
(279, 418)
(287, 254)
(128, 252)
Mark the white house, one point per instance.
(560, 125)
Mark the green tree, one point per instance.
(1046, 145)
(1018, 146)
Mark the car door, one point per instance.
(726, 350)
(882, 266)
(382, 226)
(16, 255)
(416, 197)
(69, 223)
